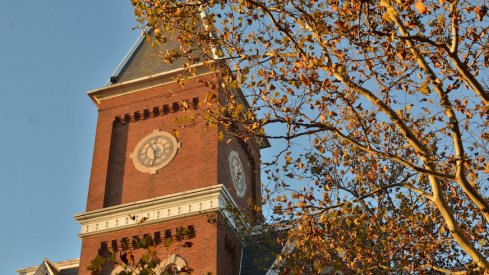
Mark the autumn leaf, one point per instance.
(424, 88)
(288, 159)
(185, 104)
(480, 12)
(421, 7)
(211, 97)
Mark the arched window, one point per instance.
(172, 265)
(171, 269)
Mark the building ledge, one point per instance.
(175, 206)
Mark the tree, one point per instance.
(382, 110)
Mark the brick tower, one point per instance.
(150, 165)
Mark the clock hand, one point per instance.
(154, 157)
(156, 150)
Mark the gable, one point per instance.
(47, 268)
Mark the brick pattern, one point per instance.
(200, 162)
(165, 237)
(115, 180)
(156, 111)
(229, 250)
(203, 255)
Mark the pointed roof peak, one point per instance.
(47, 268)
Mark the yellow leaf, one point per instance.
(220, 136)
(323, 217)
(341, 70)
(185, 104)
(421, 7)
(424, 88)
(211, 97)
(288, 159)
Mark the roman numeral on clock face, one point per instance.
(143, 156)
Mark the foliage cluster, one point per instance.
(147, 259)
(381, 111)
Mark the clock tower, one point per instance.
(159, 169)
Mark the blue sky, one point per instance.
(51, 53)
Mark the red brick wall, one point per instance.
(194, 166)
(229, 250)
(200, 162)
(202, 256)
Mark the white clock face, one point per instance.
(237, 173)
(154, 151)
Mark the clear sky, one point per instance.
(51, 53)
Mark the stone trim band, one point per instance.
(194, 202)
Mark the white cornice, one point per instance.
(143, 83)
(195, 202)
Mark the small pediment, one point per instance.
(47, 268)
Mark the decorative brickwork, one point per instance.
(156, 111)
(168, 237)
(173, 201)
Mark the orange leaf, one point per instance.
(480, 11)
(421, 7)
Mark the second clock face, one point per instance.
(237, 173)
(154, 151)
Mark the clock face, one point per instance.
(237, 173)
(154, 151)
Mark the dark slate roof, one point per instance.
(69, 271)
(144, 60)
(255, 263)
(260, 255)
